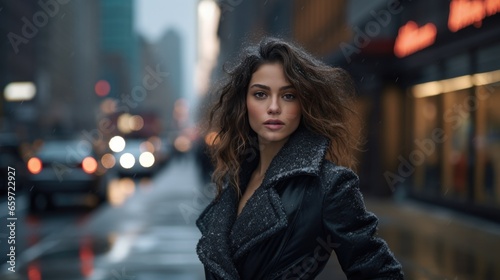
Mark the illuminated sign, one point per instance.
(470, 12)
(463, 13)
(412, 38)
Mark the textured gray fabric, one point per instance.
(302, 199)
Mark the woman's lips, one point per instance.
(274, 124)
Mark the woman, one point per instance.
(284, 201)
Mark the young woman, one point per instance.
(284, 200)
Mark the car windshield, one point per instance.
(67, 150)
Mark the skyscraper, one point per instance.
(119, 46)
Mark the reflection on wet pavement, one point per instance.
(434, 243)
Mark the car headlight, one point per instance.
(117, 144)
(147, 159)
(127, 160)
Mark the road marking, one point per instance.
(121, 248)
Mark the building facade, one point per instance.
(452, 88)
(119, 45)
(428, 83)
(52, 44)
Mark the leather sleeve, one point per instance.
(351, 230)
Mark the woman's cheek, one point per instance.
(253, 112)
(294, 112)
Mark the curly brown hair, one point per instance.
(325, 94)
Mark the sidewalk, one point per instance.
(436, 243)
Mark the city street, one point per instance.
(152, 236)
(148, 237)
(107, 108)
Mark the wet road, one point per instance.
(151, 235)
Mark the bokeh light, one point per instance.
(35, 165)
(210, 138)
(117, 144)
(124, 123)
(108, 106)
(182, 144)
(108, 161)
(102, 88)
(89, 165)
(146, 159)
(127, 160)
(147, 146)
(136, 123)
(119, 190)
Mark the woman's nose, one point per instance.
(274, 106)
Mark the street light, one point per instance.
(19, 91)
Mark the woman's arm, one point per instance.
(352, 228)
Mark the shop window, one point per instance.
(491, 144)
(465, 166)
(427, 174)
(457, 123)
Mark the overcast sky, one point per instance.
(154, 17)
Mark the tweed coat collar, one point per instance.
(225, 236)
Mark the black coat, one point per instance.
(305, 208)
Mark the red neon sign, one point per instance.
(412, 38)
(463, 13)
(470, 12)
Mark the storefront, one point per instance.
(449, 60)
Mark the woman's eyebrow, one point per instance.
(260, 86)
(268, 88)
(287, 87)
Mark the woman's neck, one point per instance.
(267, 152)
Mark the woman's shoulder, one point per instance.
(332, 174)
(330, 168)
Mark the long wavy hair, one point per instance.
(325, 94)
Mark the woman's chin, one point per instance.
(274, 137)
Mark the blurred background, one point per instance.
(103, 167)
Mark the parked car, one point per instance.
(64, 167)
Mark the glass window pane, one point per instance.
(458, 125)
(427, 175)
(492, 141)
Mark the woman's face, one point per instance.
(273, 107)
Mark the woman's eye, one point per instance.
(259, 94)
(289, 96)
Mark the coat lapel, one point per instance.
(215, 223)
(262, 217)
(264, 214)
(303, 154)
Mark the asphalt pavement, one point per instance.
(150, 236)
